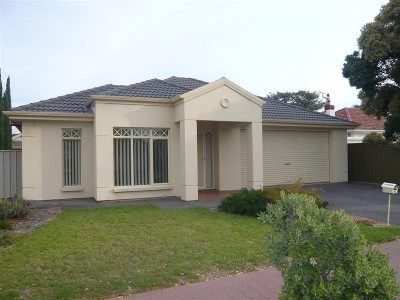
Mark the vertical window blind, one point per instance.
(160, 161)
(72, 157)
(140, 156)
(122, 162)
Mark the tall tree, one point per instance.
(5, 125)
(306, 99)
(375, 68)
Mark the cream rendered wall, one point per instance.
(42, 160)
(338, 155)
(188, 159)
(107, 117)
(31, 161)
(229, 177)
(207, 107)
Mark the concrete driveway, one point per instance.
(361, 200)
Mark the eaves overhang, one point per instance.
(18, 116)
(126, 100)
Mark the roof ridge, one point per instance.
(172, 84)
(150, 80)
(125, 87)
(305, 109)
(188, 83)
(186, 78)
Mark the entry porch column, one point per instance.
(188, 160)
(255, 155)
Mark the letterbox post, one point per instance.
(389, 188)
(388, 216)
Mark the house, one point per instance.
(367, 123)
(173, 137)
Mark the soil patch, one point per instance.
(36, 218)
(368, 222)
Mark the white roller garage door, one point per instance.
(290, 155)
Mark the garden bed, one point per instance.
(36, 218)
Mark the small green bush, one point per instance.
(245, 202)
(374, 138)
(13, 208)
(296, 188)
(4, 224)
(322, 254)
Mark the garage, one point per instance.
(290, 155)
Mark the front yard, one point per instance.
(103, 252)
(94, 253)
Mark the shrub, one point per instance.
(374, 138)
(4, 224)
(13, 208)
(245, 202)
(296, 188)
(322, 254)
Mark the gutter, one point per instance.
(17, 116)
(279, 122)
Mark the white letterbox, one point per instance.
(389, 188)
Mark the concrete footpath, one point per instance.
(263, 284)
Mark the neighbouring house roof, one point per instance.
(168, 89)
(357, 115)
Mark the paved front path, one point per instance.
(263, 284)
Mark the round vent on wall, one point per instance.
(225, 102)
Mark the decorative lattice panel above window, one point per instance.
(160, 132)
(72, 133)
(122, 132)
(140, 132)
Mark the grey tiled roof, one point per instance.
(167, 89)
(189, 83)
(75, 102)
(153, 88)
(275, 110)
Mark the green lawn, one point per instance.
(378, 235)
(97, 253)
(92, 253)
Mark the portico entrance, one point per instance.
(213, 152)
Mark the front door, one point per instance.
(205, 160)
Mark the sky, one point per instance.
(51, 48)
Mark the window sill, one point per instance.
(76, 188)
(124, 189)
